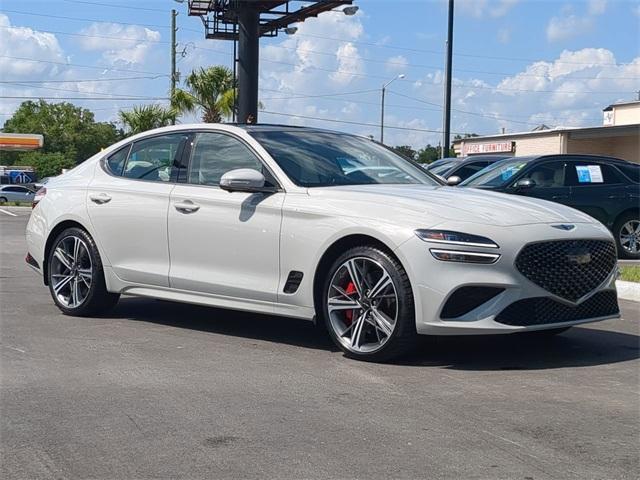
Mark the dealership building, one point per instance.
(618, 136)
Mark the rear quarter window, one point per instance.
(631, 171)
(115, 162)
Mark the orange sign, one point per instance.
(495, 147)
(20, 141)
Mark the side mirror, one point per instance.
(453, 180)
(524, 184)
(244, 180)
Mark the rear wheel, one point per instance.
(75, 275)
(627, 233)
(368, 305)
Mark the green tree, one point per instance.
(432, 153)
(47, 164)
(406, 151)
(146, 117)
(67, 129)
(209, 91)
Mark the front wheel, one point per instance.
(627, 233)
(75, 275)
(368, 305)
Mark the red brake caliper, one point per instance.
(348, 314)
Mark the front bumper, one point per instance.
(434, 282)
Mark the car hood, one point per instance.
(447, 203)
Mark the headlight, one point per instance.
(455, 238)
(464, 257)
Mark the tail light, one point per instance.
(39, 196)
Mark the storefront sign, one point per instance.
(495, 147)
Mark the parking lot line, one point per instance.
(8, 212)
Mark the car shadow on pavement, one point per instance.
(220, 321)
(578, 347)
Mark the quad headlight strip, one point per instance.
(463, 239)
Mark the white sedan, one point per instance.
(299, 222)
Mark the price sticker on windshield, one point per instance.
(589, 174)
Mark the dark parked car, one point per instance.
(441, 163)
(606, 188)
(464, 168)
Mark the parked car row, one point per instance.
(606, 188)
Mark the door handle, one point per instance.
(560, 197)
(186, 207)
(99, 198)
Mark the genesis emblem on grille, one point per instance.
(564, 226)
(579, 257)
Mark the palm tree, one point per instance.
(146, 117)
(210, 91)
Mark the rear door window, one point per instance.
(592, 174)
(155, 159)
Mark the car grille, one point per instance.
(568, 268)
(544, 310)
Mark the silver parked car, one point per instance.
(15, 193)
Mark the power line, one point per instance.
(24, 97)
(339, 71)
(333, 120)
(87, 80)
(440, 52)
(111, 5)
(314, 52)
(95, 67)
(73, 91)
(78, 19)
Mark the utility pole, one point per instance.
(235, 74)
(174, 46)
(446, 128)
(248, 53)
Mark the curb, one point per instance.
(628, 290)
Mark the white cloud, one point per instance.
(349, 64)
(569, 24)
(596, 7)
(563, 28)
(480, 8)
(397, 64)
(132, 46)
(568, 91)
(23, 42)
(504, 35)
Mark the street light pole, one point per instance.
(446, 128)
(174, 46)
(384, 89)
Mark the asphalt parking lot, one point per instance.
(164, 390)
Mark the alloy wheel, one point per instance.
(362, 304)
(630, 236)
(71, 271)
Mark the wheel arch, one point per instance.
(334, 250)
(627, 211)
(55, 231)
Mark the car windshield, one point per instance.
(321, 159)
(441, 169)
(496, 175)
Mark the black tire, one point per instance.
(3, 200)
(617, 231)
(546, 333)
(404, 337)
(98, 300)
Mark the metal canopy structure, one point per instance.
(247, 21)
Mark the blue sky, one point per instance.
(517, 63)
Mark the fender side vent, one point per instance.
(293, 281)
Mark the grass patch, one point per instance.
(630, 273)
(15, 204)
